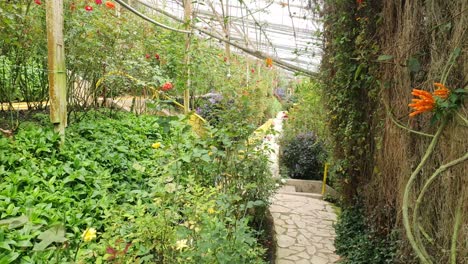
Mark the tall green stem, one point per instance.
(458, 221)
(422, 255)
(426, 186)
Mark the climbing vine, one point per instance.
(350, 87)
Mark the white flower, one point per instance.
(277, 185)
(283, 181)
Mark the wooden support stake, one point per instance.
(56, 66)
(188, 21)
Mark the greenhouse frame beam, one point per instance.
(255, 53)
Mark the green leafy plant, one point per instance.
(304, 156)
(358, 244)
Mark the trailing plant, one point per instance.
(350, 88)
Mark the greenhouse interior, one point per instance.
(233, 131)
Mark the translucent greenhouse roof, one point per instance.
(282, 29)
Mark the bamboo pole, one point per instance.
(56, 66)
(188, 22)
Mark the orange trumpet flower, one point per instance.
(425, 102)
(442, 91)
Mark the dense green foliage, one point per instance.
(351, 89)
(303, 143)
(307, 112)
(103, 41)
(153, 190)
(304, 156)
(357, 244)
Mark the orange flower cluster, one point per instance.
(442, 91)
(269, 62)
(426, 101)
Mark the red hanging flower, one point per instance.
(167, 86)
(156, 56)
(110, 5)
(98, 2)
(38, 2)
(88, 8)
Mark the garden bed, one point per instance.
(129, 189)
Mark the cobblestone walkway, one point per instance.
(303, 222)
(304, 230)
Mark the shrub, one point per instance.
(304, 156)
(358, 244)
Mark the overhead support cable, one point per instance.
(258, 24)
(136, 12)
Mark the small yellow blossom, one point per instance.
(211, 210)
(156, 145)
(89, 234)
(181, 244)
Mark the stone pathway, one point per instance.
(303, 222)
(304, 230)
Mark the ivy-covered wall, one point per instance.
(376, 52)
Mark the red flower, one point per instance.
(252, 71)
(359, 2)
(167, 86)
(225, 59)
(110, 5)
(147, 56)
(88, 8)
(156, 56)
(37, 2)
(98, 2)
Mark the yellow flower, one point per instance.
(181, 244)
(156, 145)
(211, 210)
(89, 234)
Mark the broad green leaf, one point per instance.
(5, 245)
(15, 221)
(53, 234)
(414, 65)
(358, 71)
(9, 258)
(24, 243)
(384, 57)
